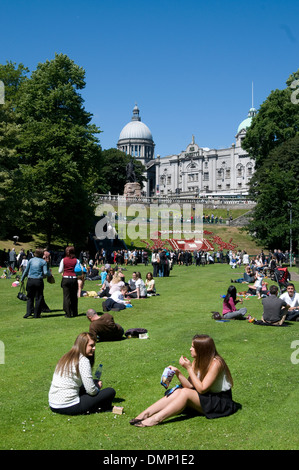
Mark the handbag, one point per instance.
(78, 268)
(216, 316)
(135, 332)
(51, 279)
(21, 294)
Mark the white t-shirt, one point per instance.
(142, 289)
(245, 259)
(291, 301)
(116, 287)
(118, 297)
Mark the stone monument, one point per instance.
(132, 187)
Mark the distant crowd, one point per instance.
(133, 257)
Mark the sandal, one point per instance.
(135, 421)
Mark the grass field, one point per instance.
(265, 377)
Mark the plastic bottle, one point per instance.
(98, 372)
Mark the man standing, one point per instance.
(291, 297)
(12, 258)
(275, 309)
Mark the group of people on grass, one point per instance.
(205, 387)
(117, 292)
(275, 309)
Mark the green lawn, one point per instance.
(266, 380)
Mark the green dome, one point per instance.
(247, 122)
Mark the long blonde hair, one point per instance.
(205, 353)
(116, 279)
(72, 357)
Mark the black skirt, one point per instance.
(218, 405)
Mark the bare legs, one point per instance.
(169, 406)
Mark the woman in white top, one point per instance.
(150, 284)
(73, 390)
(140, 287)
(116, 283)
(207, 390)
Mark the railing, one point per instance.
(174, 200)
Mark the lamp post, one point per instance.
(290, 207)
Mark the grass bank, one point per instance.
(265, 378)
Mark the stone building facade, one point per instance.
(195, 171)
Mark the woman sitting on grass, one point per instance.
(229, 310)
(116, 283)
(140, 290)
(207, 390)
(73, 390)
(104, 291)
(150, 284)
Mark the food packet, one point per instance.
(167, 377)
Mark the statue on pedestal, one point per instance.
(131, 176)
(132, 187)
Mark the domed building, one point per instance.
(247, 122)
(196, 170)
(136, 139)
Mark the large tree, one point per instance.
(12, 76)
(59, 152)
(276, 122)
(274, 187)
(273, 142)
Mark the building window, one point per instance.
(227, 174)
(206, 176)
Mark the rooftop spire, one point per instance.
(136, 116)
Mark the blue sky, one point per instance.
(188, 64)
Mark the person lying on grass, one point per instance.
(207, 390)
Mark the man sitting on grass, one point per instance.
(291, 297)
(275, 309)
(248, 276)
(103, 327)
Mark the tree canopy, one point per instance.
(55, 152)
(273, 142)
(12, 76)
(276, 122)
